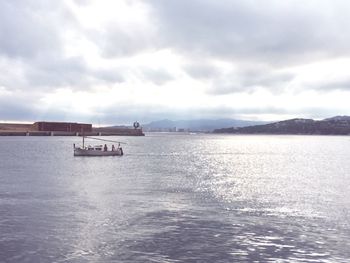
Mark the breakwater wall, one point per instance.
(64, 129)
(118, 131)
(59, 133)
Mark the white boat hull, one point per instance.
(86, 152)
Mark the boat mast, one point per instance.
(82, 131)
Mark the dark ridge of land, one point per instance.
(197, 125)
(339, 125)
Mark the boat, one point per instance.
(98, 150)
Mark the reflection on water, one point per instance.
(243, 238)
(177, 198)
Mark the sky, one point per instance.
(115, 62)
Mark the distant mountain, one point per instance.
(197, 125)
(338, 118)
(339, 125)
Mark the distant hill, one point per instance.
(338, 125)
(197, 125)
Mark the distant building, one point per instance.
(62, 126)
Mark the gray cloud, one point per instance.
(120, 40)
(108, 75)
(245, 77)
(157, 76)
(260, 41)
(329, 86)
(81, 2)
(273, 32)
(29, 28)
(201, 70)
(249, 80)
(26, 106)
(267, 79)
(48, 72)
(114, 41)
(273, 35)
(17, 108)
(57, 72)
(72, 72)
(31, 39)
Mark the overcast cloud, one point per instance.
(115, 62)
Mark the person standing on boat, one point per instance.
(105, 148)
(113, 148)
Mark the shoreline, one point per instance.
(60, 133)
(64, 129)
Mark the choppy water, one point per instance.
(176, 198)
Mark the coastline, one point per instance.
(14, 129)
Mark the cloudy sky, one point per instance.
(114, 62)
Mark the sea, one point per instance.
(176, 198)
